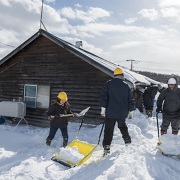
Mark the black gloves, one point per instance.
(159, 110)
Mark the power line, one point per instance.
(7, 45)
(132, 61)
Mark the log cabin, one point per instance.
(41, 67)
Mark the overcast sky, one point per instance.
(147, 31)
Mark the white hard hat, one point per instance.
(171, 81)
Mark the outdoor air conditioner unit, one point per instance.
(13, 109)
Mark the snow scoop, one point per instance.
(169, 155)
(83, 112)
(84, 148)
(159, 143)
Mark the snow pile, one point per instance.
(170, 144)
(6, 154)
(70, 154)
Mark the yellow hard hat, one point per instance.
(63, 96)
(118, 71)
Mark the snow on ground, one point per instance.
(24, 154)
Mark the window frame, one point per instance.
(36, 96)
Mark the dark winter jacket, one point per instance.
(117, 98)
(169, 102)
(138, 97)
(55, 110)
(148, 96)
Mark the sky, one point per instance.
(145, 32)
(24, 154)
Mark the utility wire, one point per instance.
(7, 45)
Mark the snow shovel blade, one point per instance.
(83, 112)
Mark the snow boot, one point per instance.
(175, 132)
(127, 140)
(163, 132)
(149, 113)
(48, 142)
(65, 142)
(106, 150)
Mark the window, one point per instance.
(43, 96)
(36, 96)
(30, 93)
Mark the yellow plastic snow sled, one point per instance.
(84, 148)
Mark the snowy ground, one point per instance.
(25, 156)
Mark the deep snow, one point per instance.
(24, 154)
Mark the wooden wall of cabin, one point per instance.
(45, 63)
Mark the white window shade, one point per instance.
(43, 94)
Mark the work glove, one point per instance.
(103, 111)
(50, 117)
(159, 110)
(130, 115)
(75, 115)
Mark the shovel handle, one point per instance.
(66, 115)
(157, 123)
(62, 115)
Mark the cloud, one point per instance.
(50, 1)
(169, 3)
(127, 45)
(5, 3)
(96, 13)
(78, 5)
(8, 41)
(85, 45)
(99, 29)
(130, 20)
(170, 12)
(91, 15)
(170, 9)
(150, 14)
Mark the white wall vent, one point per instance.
(78, 44)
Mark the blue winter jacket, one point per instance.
(117, 98)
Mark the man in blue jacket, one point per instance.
(116, 103)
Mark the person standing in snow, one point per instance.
(168, 103)
(138, 97)
(55, 113)
(116, 103)
(148, 97)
